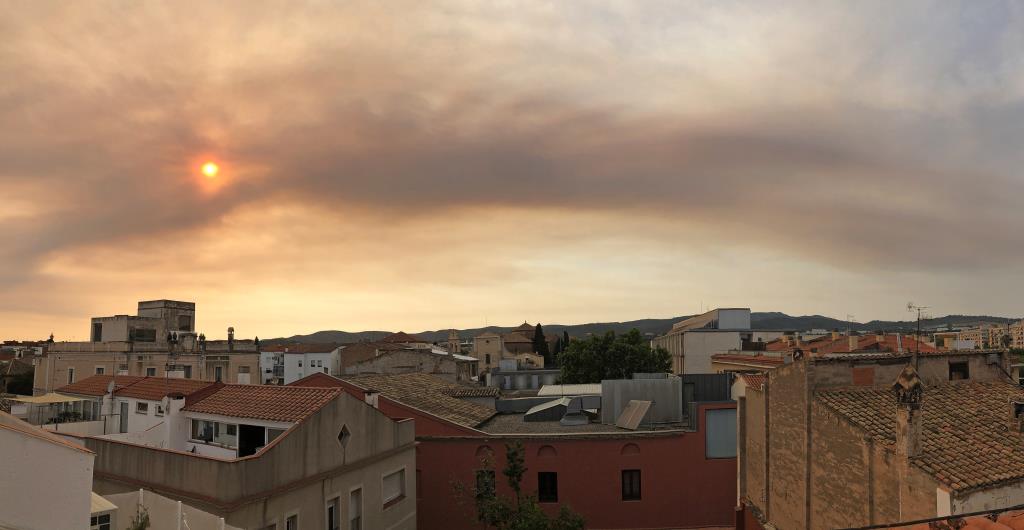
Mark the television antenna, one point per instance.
(911, 307)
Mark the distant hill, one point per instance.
(658, 326)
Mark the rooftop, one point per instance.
(264, 402)
(97, 385)
(966, 441)
(754, 380)
(155, 388)
(767, 361)
(427, 393)
(322, 347)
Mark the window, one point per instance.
(100, 522)
(547, 486)
(188, 371)
(292, 522)
(485, 484)
(142, 335)
(393, 487)
(71, 375)
(159, 409)
(325, 370)
(300, 363)
(151, 372)
(958, 371)
(100, 370)
(141, 408)
(202, 430)
(487, 358)
(355, 509)
(243, 369)
(630, 484)
(332, 514)
(218, 373)
(225, 434)
(122, 369)
(720, 433)
(184, 323)
(97, 332)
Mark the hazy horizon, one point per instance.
(426, 165)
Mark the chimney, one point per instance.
(853, 342)
(231, 339)
(908, 389)
(1016, 416)
(835, 335)
(880, 336)
(371, 397)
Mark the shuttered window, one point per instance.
(393, 486)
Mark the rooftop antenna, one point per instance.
(917, 340)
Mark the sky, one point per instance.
(423, 165)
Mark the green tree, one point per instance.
(540, 345)
(611, 356)
(522, 512)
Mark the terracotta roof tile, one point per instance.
(427, 393)
(155, 388)
(265, 402)
(97, 385)
(966, 439)
(317, 380)
(755, 380)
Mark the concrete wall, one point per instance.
(297, 473)
(699, 346)
(43, 486)
(666, 394)
(164, 513)
(733, 319)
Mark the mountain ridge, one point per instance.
(658, 326)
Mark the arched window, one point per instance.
(484, 451)
(630, 449)
(546, 451)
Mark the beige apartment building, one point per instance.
(159, 341)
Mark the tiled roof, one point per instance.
(363, 351)
(1009, 520)
(323, 347)
(516, 337)
(754, 380)
(889, 342)
(264, 402)
(769, 361)
(966, 440)
(427, 393)
(459, 391)
(317, 380)
(97, 385)
(402, 337)
(155, 388)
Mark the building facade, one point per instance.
(693, 341)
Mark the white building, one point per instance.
(47, 481)
(284, 364)
(693, 341)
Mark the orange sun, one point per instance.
(210, 170)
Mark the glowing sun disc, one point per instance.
(210, 169)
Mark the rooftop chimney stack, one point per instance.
(853, 342)
(231, 339)
(1016, 416)
(908, 389)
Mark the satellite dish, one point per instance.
(110, 387)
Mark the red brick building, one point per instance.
(614, 478)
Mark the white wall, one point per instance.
(699, 346)
(141, 422)
(328, 362)
(163, 512)
(43, 486)
(733, 319)
(989, 499)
